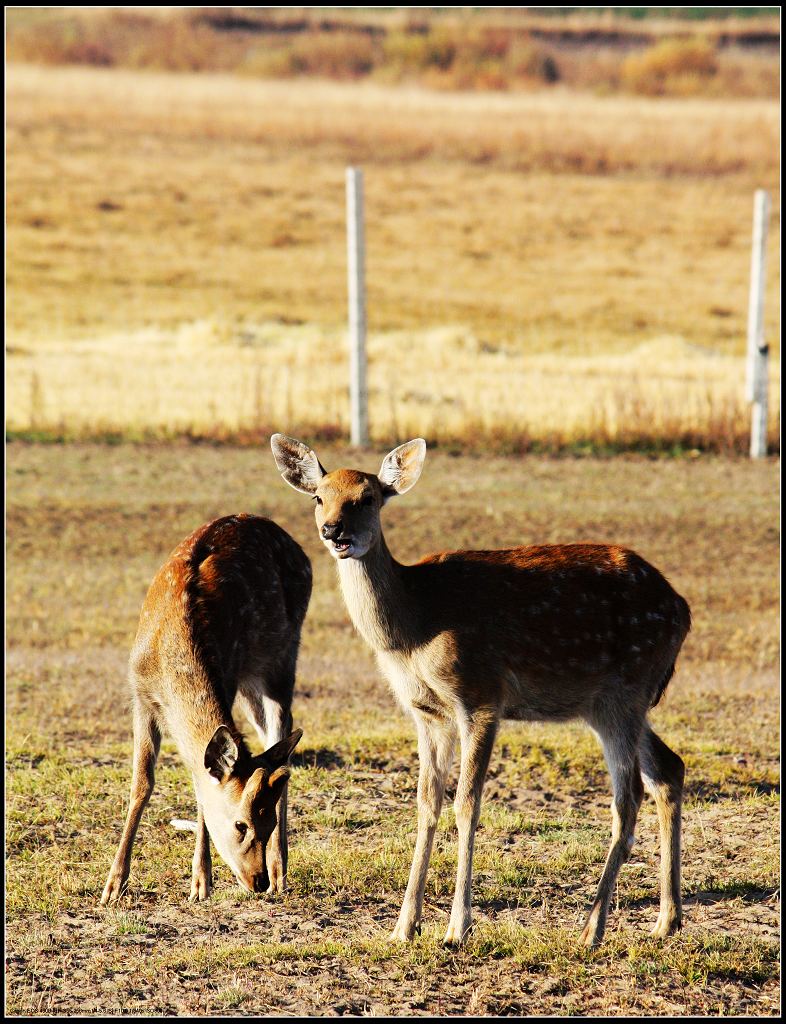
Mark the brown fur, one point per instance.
(218, 636)
(466, 638)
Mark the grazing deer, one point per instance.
(544, 633)
(218, 636)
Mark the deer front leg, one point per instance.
(147, 741)
(272, 721)
(201, 866)
(278, 725)
(436, 743)
(478, 731)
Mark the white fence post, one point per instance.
(358, 392)
(756, 370)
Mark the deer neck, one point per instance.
(194, 717)
(376, 599)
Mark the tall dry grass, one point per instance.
(556, 132)
(241, 382)
(496, 49)
(177, 260)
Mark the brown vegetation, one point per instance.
(673, 67)
(87, 528)
(177, 261)
(498, 49)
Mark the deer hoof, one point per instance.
(113, 890)
(665, 926)
(200, 889)
(455, 937)
(278, 879)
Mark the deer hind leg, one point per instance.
(147, 742)
(663, 774)
(268, 710)
(477, 741)
(201, 866)
(622, 760)
(436, 743)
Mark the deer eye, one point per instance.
(317, 499)
(242, 828)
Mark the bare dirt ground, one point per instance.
(86, 528)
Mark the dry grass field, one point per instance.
(560, 269)
(87, 526)
(544, 269)
(731, 51)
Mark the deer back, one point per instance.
(229, 600)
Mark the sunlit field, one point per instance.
(657, 51)
(177, 260)
(558, 249)
(88, 525)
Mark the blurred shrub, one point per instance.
(441, 50)
(673, 67)
(404, 53)
(126, 39)
(525, 60)
(332, 54)
(473, 57)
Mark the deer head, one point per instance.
(347, 501)
(240, 806)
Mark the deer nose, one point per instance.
(261, 881)
(332, 531)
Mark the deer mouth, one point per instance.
(342, 547)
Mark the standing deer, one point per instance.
(218, 636)
(543, 633)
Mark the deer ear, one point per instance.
(297, 463)
(401, 468)
(276, 783)
(221, 755)
(280, 752)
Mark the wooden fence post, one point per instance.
(358, 392)
(756, 369)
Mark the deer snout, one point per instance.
(332, 531)
(261, 881)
